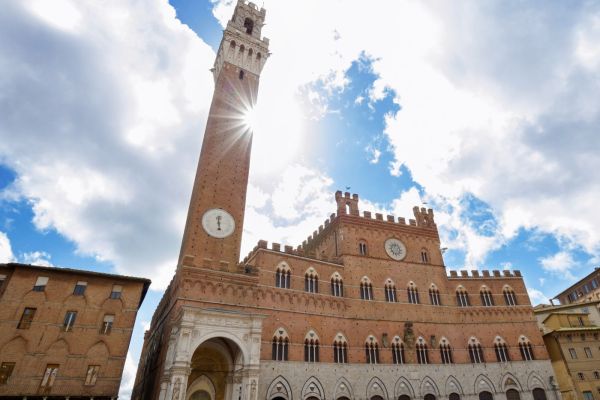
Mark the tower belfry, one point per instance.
(213, 231)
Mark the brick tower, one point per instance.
(210, 249)
(213, 229)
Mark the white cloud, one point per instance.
(559, 264)
(6, 254)
(128, 380)
(536, 296)
(103, 125)
(36, 258)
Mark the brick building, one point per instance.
(64, 333)
(584, 290)
(363, 309)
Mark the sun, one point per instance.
(251, 119)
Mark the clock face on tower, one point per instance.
(218, 223)
(395, 249)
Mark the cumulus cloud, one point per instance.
(559, 264)
(36, 258)
(537, 297)
(100, 106)
(6, 254)
(128, 380)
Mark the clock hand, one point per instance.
(219, 222)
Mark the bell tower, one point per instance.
(214, 225)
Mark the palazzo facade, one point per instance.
(363, 309)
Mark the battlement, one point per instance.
(298, 251)
(476, 274)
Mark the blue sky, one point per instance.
(102, 113)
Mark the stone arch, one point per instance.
(343, 388)
(535, 381)
(428, 386)
(59, 347)
(509, 381)
(375, 387)
(222, 334)
(403, 387)
(483, 384)
(98, 350)
(453, 385)
(313, 388)
(202, 383)
(280, 387)
(14, 348)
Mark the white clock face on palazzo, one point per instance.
(395, 249)
(218, 223)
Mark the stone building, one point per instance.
(363, 309)
(64, 333)
(571, 334)
(586, 289)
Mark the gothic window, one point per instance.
(501, 350)
(445, 351)
(525, 349)
(424, 256)
(366, 289)
(512, 394)
(390, 291)
(422, 351)
(475, 351)
(509, 296)
(397, 351)
(337, 285)
(249, 26)
(340, 349)
(283, 276)
(362, 248)
(372, 350)
(462, 297)
(311, 347)
(486, 297)
(539, 394)
(311, 281)
(434, 296)
(413, 293)
(280, 345)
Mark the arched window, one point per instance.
(486, 396)
(366, 289)
(434, 295)
(512, 394)
(242, 48)
(337, 285)
(249, 26)
(340, 349)
(311, 281)
(250, 52)
(241, 76)
(390, 291)
(413, 293)
(475, 351)
(258, 56)
(487, 300)
(372, 350)
(397, 351)
(404, 397)
(422, 351)
(509, 296)
(283, 276)
(462, 297)
(311, 347)
(525, 349)
(445, 351)
(280, 345)
(501, 350)
(232, 44)
(362, 248)
(454, 396)
(429, 396)
(539, 394)
(424, 256)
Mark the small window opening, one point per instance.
(249, 25)
(241, 76)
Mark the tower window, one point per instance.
(241, 76)
(424, 256)
(362, 248)
(249, 26)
